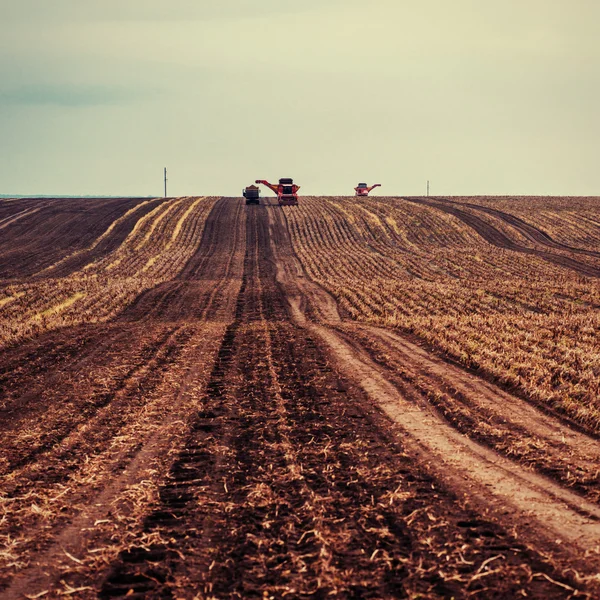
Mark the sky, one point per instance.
(477, 96)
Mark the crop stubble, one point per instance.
(243, 459)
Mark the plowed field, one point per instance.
(352, 398)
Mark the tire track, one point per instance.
(124, 395)
(529, 231)
(535, 437)
(289, 486)
(541, 510)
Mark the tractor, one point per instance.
(252, 194)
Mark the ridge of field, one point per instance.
(527, 322)
(144, 246)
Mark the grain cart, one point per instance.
(252, 194)
(362, 189)
(286, 190)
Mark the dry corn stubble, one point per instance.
(287, 482)
(154, 252)
(525, 322)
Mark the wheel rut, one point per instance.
(533, 233)
(290, 483)
(411, 389)
(110, 416)
(535, 436)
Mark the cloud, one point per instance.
(67, 95)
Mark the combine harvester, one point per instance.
(287, 192)
(252, 194)
(362, 189)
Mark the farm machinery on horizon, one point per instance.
(286, 190)
(252, 194)
(362, 189)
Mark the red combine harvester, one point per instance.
(362, 189)
(287, 192)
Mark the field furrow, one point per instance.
(86, 418)
(351, 398)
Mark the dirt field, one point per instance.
(202, 399)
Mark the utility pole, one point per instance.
(428, 188)
(165, 182)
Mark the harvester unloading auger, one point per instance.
(286, 190)
(362, 189)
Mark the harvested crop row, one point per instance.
(81, 406)
(288, 486)
(525, 322)
(103, 287)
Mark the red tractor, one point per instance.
(286, 190)
(362, 189)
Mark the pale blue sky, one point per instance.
(479, 96)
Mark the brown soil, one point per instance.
(230, 436)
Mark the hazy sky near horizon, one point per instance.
(479, 96)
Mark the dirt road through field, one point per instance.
(551, 515)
